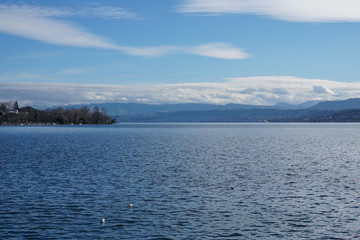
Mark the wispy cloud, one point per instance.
(34, 23)
(74, 71)
(294, 10)
(35, 55)
(95, 10)
(219, 50)
(107, 12)
(157, 51)
(214, 50)
(266, 90)
(43, 24)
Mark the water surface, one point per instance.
(186, 181)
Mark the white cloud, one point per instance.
(219, 50)
(214, 50)
(266, 90)
(38, 23)
(150, 51)
(32, 24)
(289, 10)
(97, 10)
(72, 71)
(107, 12)
(322, 89)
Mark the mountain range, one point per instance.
(311, 111)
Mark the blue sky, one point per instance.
(244, 51)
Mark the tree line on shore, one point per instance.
(11, 113)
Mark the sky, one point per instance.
(259, 52)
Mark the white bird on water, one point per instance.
(130, 205)
(102, 221)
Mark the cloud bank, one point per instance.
(288, 10)
(267, 90)
(42, 24)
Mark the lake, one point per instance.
(185, 181)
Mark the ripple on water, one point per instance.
(231, 181)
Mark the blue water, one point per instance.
(186, 181)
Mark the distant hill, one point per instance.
(234, 115)
(248, 115)
(139, 108)
(304, 105)
(351, 103)
(311, 111)
(122, 109)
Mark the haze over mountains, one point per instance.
(140, 108)
(196, 112)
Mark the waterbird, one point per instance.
(130, 205)
(102, 221)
